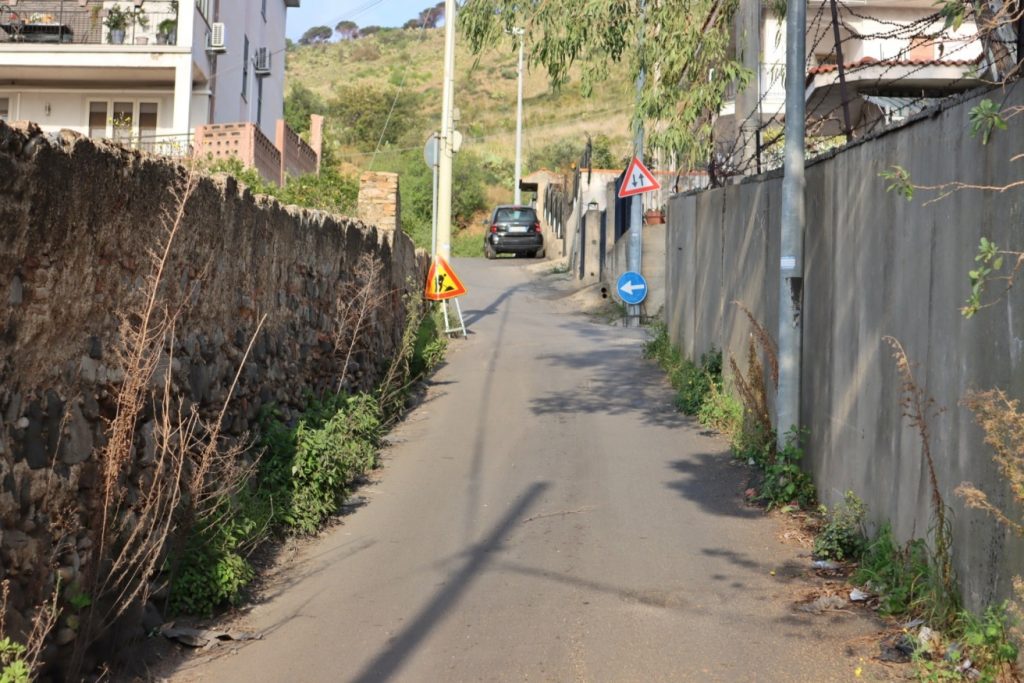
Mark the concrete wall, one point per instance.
(78, 221)
(652, 266)
(875, 265)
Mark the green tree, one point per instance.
(300, 103)
(358, 114)
(681, 45)
(368, 31)
(316, 35)
(347, 30)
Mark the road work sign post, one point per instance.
(442, 285)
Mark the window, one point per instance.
(124, 121)
(245, 69)
(147, 120)
(5, 109)
(204, 8)
(97, 119)
(259, 101)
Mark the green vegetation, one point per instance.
(306, 471)
(842, 537)
(700, 391)
(330, 191)
(901, 576)
(13, 666)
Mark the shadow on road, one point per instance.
(402, 646)
(471, 316)
(713, 483)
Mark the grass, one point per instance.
(485, 94)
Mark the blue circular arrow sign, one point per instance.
(632, 287)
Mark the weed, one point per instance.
(784, 481)
(919, 408)
(901, 576)
(693, 383)
(842, 537)
(721, 411)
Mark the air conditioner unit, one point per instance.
(216, 41)
(261, 62)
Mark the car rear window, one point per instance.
(515, 215)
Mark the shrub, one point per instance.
(842, 538)
(784, 481)
(900, 576)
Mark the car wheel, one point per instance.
(488, 252)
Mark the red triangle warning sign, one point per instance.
(638, 179)
(442, 283)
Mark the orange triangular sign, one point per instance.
(638, 179)
(442, 283)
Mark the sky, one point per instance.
(363, 12)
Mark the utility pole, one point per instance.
(519, 118)
(847, 130)
(634, 257)
(748, 99)
(447, 146)
(791, 263)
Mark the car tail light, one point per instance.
(494, 227)
(536, 226)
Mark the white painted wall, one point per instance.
(70, 109)
(245, 18)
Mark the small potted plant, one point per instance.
(117, 22)
(167, 32)
(139, 18)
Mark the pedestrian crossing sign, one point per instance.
(442, 283)
(638, 179)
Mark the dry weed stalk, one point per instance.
(1002, 420)
(42, 625)
(919, 408)
(187, 459)
(752, 387)
(1003, 423)
(355, 307)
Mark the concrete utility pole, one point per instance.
(519, 118)
(748, 100)
(444, 166)
(634, 255)
(791, 264)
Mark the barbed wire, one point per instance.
(898, 86)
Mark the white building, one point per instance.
(896, 55)
(181, 64)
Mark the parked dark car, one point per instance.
(514, 230)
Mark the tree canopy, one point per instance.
(316, 35)
(347, 30)
(682, 46)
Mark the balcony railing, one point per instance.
(67, 22)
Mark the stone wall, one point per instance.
(876, 265)
(78, 220)
(378, 200)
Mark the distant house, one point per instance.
(147, 73)
(896, 57)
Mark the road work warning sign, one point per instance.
(638, 179)
(442, 283)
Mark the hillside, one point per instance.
(412, 62)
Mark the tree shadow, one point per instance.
(715, 482)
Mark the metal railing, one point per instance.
(175, 145)
(65, 22)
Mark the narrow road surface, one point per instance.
(545, 515)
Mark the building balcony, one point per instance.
(64, 24)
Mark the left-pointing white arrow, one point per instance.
(630, 287)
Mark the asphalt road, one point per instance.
(545, 515)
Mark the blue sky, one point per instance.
(363, 12)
